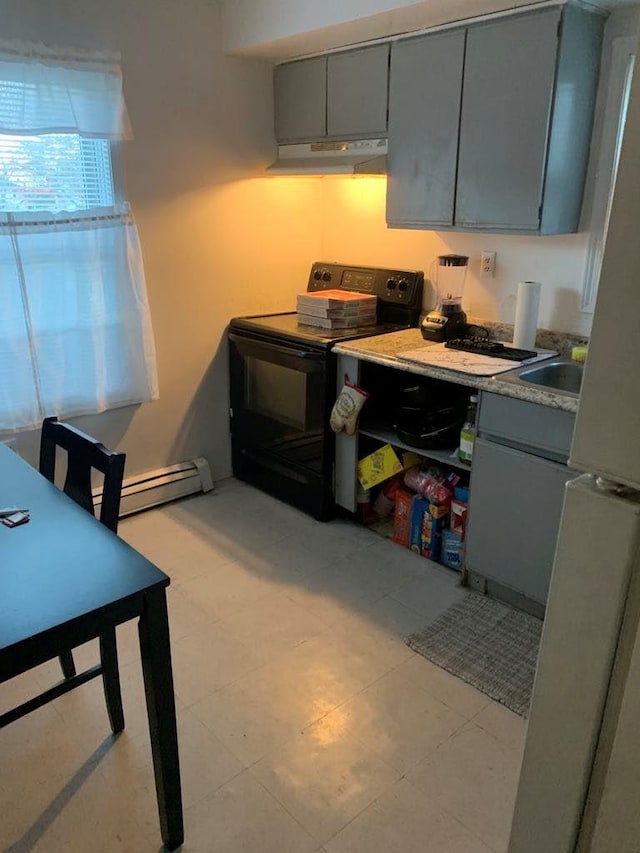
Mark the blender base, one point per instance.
(440, 326)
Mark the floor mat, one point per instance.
(487, 644)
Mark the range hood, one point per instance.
(362, 157)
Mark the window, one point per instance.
(75, 328)
(54, 172)
(607, 159)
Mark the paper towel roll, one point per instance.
(526, 324)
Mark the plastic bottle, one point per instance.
(468, 431)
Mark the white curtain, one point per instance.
(52, 90)
(75, 327)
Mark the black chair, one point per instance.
(85, 453)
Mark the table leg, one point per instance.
(155, 650)
(111, 679)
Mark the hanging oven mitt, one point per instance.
(346, 408)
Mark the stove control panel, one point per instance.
(392, 287)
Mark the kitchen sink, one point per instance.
(560, 375)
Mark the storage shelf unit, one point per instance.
(449, 456)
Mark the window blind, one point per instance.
(54, 173)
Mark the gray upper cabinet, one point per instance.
(506, 107)
(339, 96)
(424, 112)
(301, 100)
(357, 83)
(522, 142)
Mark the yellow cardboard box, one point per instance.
(382, 464)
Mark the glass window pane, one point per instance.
(54, 172)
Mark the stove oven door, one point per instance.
(281, 394)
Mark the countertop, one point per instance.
(383, 349)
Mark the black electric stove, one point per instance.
(285, 327)
(283, 384)
(399, 295)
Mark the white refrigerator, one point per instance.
(579, 787)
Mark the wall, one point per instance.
(354, 228)
(213, 238)
(281, 29)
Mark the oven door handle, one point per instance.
(309, 355)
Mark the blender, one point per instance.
(448, 320)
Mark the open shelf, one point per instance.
(383, 527)
(448, 456)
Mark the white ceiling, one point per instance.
(282, 29)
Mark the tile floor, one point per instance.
(305, 723)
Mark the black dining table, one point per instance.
(66, 579)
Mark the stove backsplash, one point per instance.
(563, 342)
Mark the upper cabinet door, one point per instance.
(301, 100)
(357, 92)
(506, 109)
(424, 112)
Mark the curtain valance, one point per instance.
(50, 90)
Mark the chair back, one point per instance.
(83, 454)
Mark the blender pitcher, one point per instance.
(448, 320)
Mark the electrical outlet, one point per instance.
(487, 265)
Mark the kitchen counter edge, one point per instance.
(382, 349)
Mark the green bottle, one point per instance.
(468, 431)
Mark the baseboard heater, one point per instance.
(160, 486)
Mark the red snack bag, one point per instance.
(438, 494)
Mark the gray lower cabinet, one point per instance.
(339, 96)
(516, 503)
(503, 129)
(536, 429)
(424, 114)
